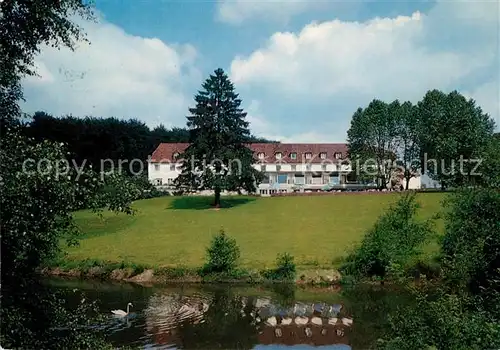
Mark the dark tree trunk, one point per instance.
(217, 197)
(382, 184)
(407, 183)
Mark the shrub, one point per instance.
(285, 269)
(471, 245)
(443, 321)
(222, 254)
(393, 241)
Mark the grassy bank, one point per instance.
(175, 231)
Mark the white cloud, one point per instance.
(336, 66)
(238, 11)
(118, 74)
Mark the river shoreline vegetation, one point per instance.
(449, 265)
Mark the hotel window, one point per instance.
(338, 155)
(170, 181)
(261, 155)
(308, 155)
(322, 155)
(308, 167)
(157, 167)
(158, 181)
(262, 168)
(294, 167)
(172, 167)
(278, 155)
(293, 155)
(278, 167)
(176, 155)
(323, 167)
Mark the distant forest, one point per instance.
(93, 138)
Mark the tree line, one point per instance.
(446, 136)
(92, 139)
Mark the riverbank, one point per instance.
(93, 269)
(147, 275)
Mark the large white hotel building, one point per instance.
(288, 167)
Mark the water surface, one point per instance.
(235, 317)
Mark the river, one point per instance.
(236, 317)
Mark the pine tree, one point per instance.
(218, 157)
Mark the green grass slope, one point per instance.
(175, 231)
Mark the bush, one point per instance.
(471, 245)
(285, 269)
(222, 254)
(393, 241)
(449, 316)
(442, 321)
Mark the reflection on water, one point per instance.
(220, 316)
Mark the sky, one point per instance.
(301, 68)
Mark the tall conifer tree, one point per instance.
(218, 157)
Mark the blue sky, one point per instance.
(301, 67)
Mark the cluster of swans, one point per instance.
(302, 314)
(302, 320)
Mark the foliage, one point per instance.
(490, 165)
(394, 239)
(34, 316)
(442, 321)
(217, 157)
(222, 254)
(24, 26)
(372, 138)
(37, 201)
(408, 135)
(102, 143)
(471, 245)
(463, 311)
(118, 188)
(452, 128)
(285, 269)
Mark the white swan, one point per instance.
(333, 320)
(271, 321)
(121, 312)
(347, 321)
(301, 320)
(317, 321)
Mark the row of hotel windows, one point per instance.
(302, 180)
(308, 155)
(172, 167)
(262, 167)
(159, 181)
(294, 167)
(293, 155)
(272, 191)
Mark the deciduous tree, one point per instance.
(373, 137)
(408, 134)
(454, 132)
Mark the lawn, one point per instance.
(175, 231)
